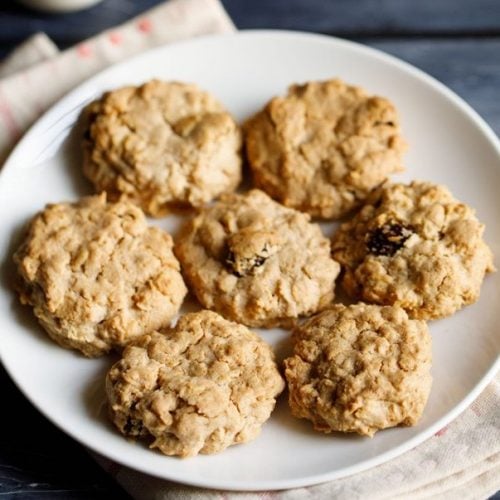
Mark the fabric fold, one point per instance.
(38, 47)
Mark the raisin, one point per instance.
(249, 248)
(133, 427)
(247, 265)
(388, 239)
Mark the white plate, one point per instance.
(448, 142)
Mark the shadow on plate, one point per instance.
(72, 155)
(94, 394)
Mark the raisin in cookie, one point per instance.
(414, 246)
(257, 262)
(97, 275)
(197, 388)
(161, 145)
(360, 369)
(323, 147)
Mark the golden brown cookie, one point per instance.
(414, 246)
(257, 262)
(97, 275)
(360, 369)
(323, 147)
(161, 145)
(200, 387)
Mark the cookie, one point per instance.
(200, 387)
(323, 147)
(97, 275)
(414, 246)
(161, 145)
(360, 369)
(256, 262)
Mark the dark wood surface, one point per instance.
(457, 41)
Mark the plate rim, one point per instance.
(256, 485)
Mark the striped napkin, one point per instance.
(460, 461)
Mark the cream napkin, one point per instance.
(461, 461)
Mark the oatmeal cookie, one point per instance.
(257, 262)
(323, 147)
(97, 275)
(161, 145)
(414, 246)
(200, 387)
(360, 369)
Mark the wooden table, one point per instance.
(456, 41)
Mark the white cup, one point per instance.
(59, 5)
